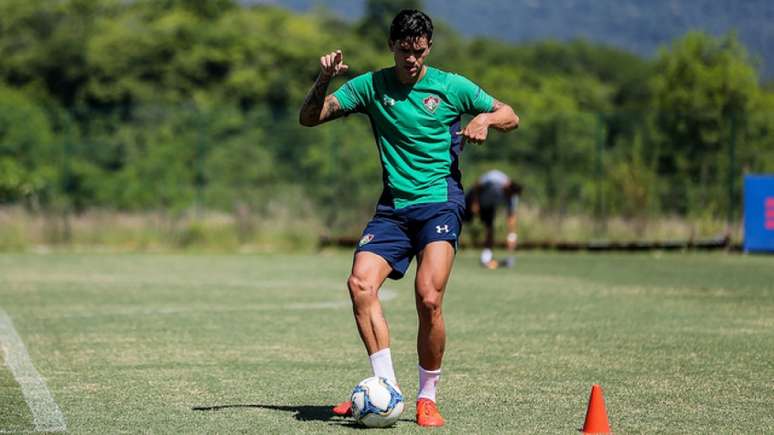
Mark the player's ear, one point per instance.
(391, 45)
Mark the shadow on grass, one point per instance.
(300, 412)
(322, 413)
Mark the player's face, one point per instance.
(410, 57)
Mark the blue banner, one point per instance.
(759, 213)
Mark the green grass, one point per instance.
(132, 343)
(14, 413)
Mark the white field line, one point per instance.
(385, 294)
(45, 413)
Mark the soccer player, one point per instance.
(415, 111)
(492, 189)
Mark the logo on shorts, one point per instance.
(442, 229)
(367, 238)
(431, 103)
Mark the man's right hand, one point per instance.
(332, 65)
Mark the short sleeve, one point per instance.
(470, 97)
(355, 95)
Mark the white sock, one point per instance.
(428, 379)
(486, 256)
(381, 364)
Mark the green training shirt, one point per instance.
(415, 126)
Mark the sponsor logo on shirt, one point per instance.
(431, 103)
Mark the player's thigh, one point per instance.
(434, 265)
(386, 236)
(369, 270)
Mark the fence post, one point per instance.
(731, 171)
(201, 147)
(599, 206)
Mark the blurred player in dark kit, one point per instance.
(492, 190)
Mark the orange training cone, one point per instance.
(596, 415)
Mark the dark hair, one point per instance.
(412, 24)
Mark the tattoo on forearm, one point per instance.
(318, 108)
(331, 109)
(314, 101)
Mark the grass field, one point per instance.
(266, 343)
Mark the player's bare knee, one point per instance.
(428, 286)
(429, 305)
(360, 289)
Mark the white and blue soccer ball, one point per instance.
(377, 402)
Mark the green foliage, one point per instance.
(632, 181)
(174, 104)
(756, 141)
(27, 156)
(703, 89)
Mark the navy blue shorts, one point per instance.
(397, 235)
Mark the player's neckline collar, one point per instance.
(394, 73)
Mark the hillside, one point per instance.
(639, 26)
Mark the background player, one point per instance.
(491, 190)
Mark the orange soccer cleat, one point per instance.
(343, 408)
(428, 414)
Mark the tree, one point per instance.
(704, 88)
(27, 171)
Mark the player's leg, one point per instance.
(436, 243)
(469, 216)
(384, 250)
(434, 264)
(487, 255)
(369, 271)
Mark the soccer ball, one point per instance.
(376, 402)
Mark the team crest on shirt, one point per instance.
(431, 103)
(387, 101)
(367, 238)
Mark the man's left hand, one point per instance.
(477, 129)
